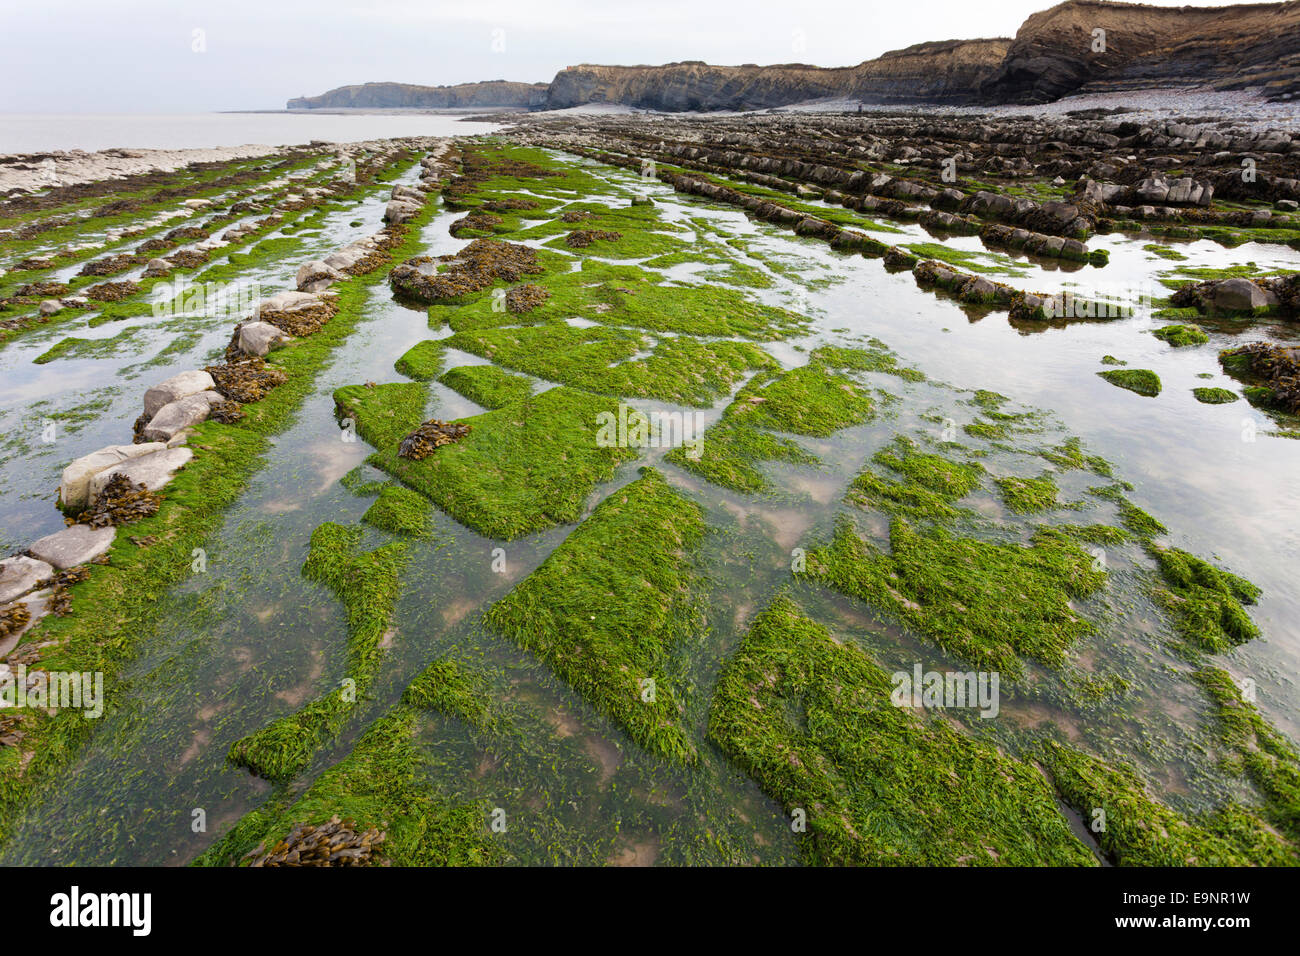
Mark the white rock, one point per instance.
(153, 470)
(38, 605)
(176, 387)
(73, 545)
(74, 490)
(258, 338)
(21, 574)
(180, 414)
(344, 258)
(400, 210)
(287, 302)
(50, 306)
(316, 276)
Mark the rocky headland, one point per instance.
(1076, 47)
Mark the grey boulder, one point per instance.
(153, 470)
(21, 574)
(175, 388)
(73, 545)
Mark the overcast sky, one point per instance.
(119, 56)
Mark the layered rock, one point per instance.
(411, 96)
(1055, 52)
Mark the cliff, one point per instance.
(410, 96)
(1145, 46)
(693, 85)
(946, 71)
(1052, 55)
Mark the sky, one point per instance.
(166, 56)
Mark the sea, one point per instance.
(46, 132)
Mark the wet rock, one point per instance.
(259, 338)
(153, 471)
(408, 193)
(177, 387)
(73, 545)
(21, 574)
(288, 302)
(316, 277)
(50, 306)
(74, 490)
(178, 415)
(399, 211)
(1240, 295)
(157, 267)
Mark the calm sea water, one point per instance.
(40, 132)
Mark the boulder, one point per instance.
(38, 605)
(287, 302)
(1239, 295)
(154, 470)
(157, 267)
(180, 414)
(316, 276)
(400, 210)
(258, 338)
(74, 490)
(50, 306)
(177, 387)
(408, 193)
(21, 574)
(73, 545)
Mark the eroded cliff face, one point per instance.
(411, 96)
(946, 71)
(1056, 52)
(694, 85)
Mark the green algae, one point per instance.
(1143, 381)
(124, 594)
(932, 483)
(993, 603)
(1134, 829)
(487, 385)
(125, 342)
(1180, 336)
(383, 783)
(422, 361)
(521, 469)
(600, 360)
(401, 511)
(383, 414)
(874, 359)
(987, 263)
(1131, 516)
(808, 400)
(1259, 750)
(608, 607)
(367, 584)
(1028, 495)
(1205, 601)
(811, 720)
(1214, 396)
